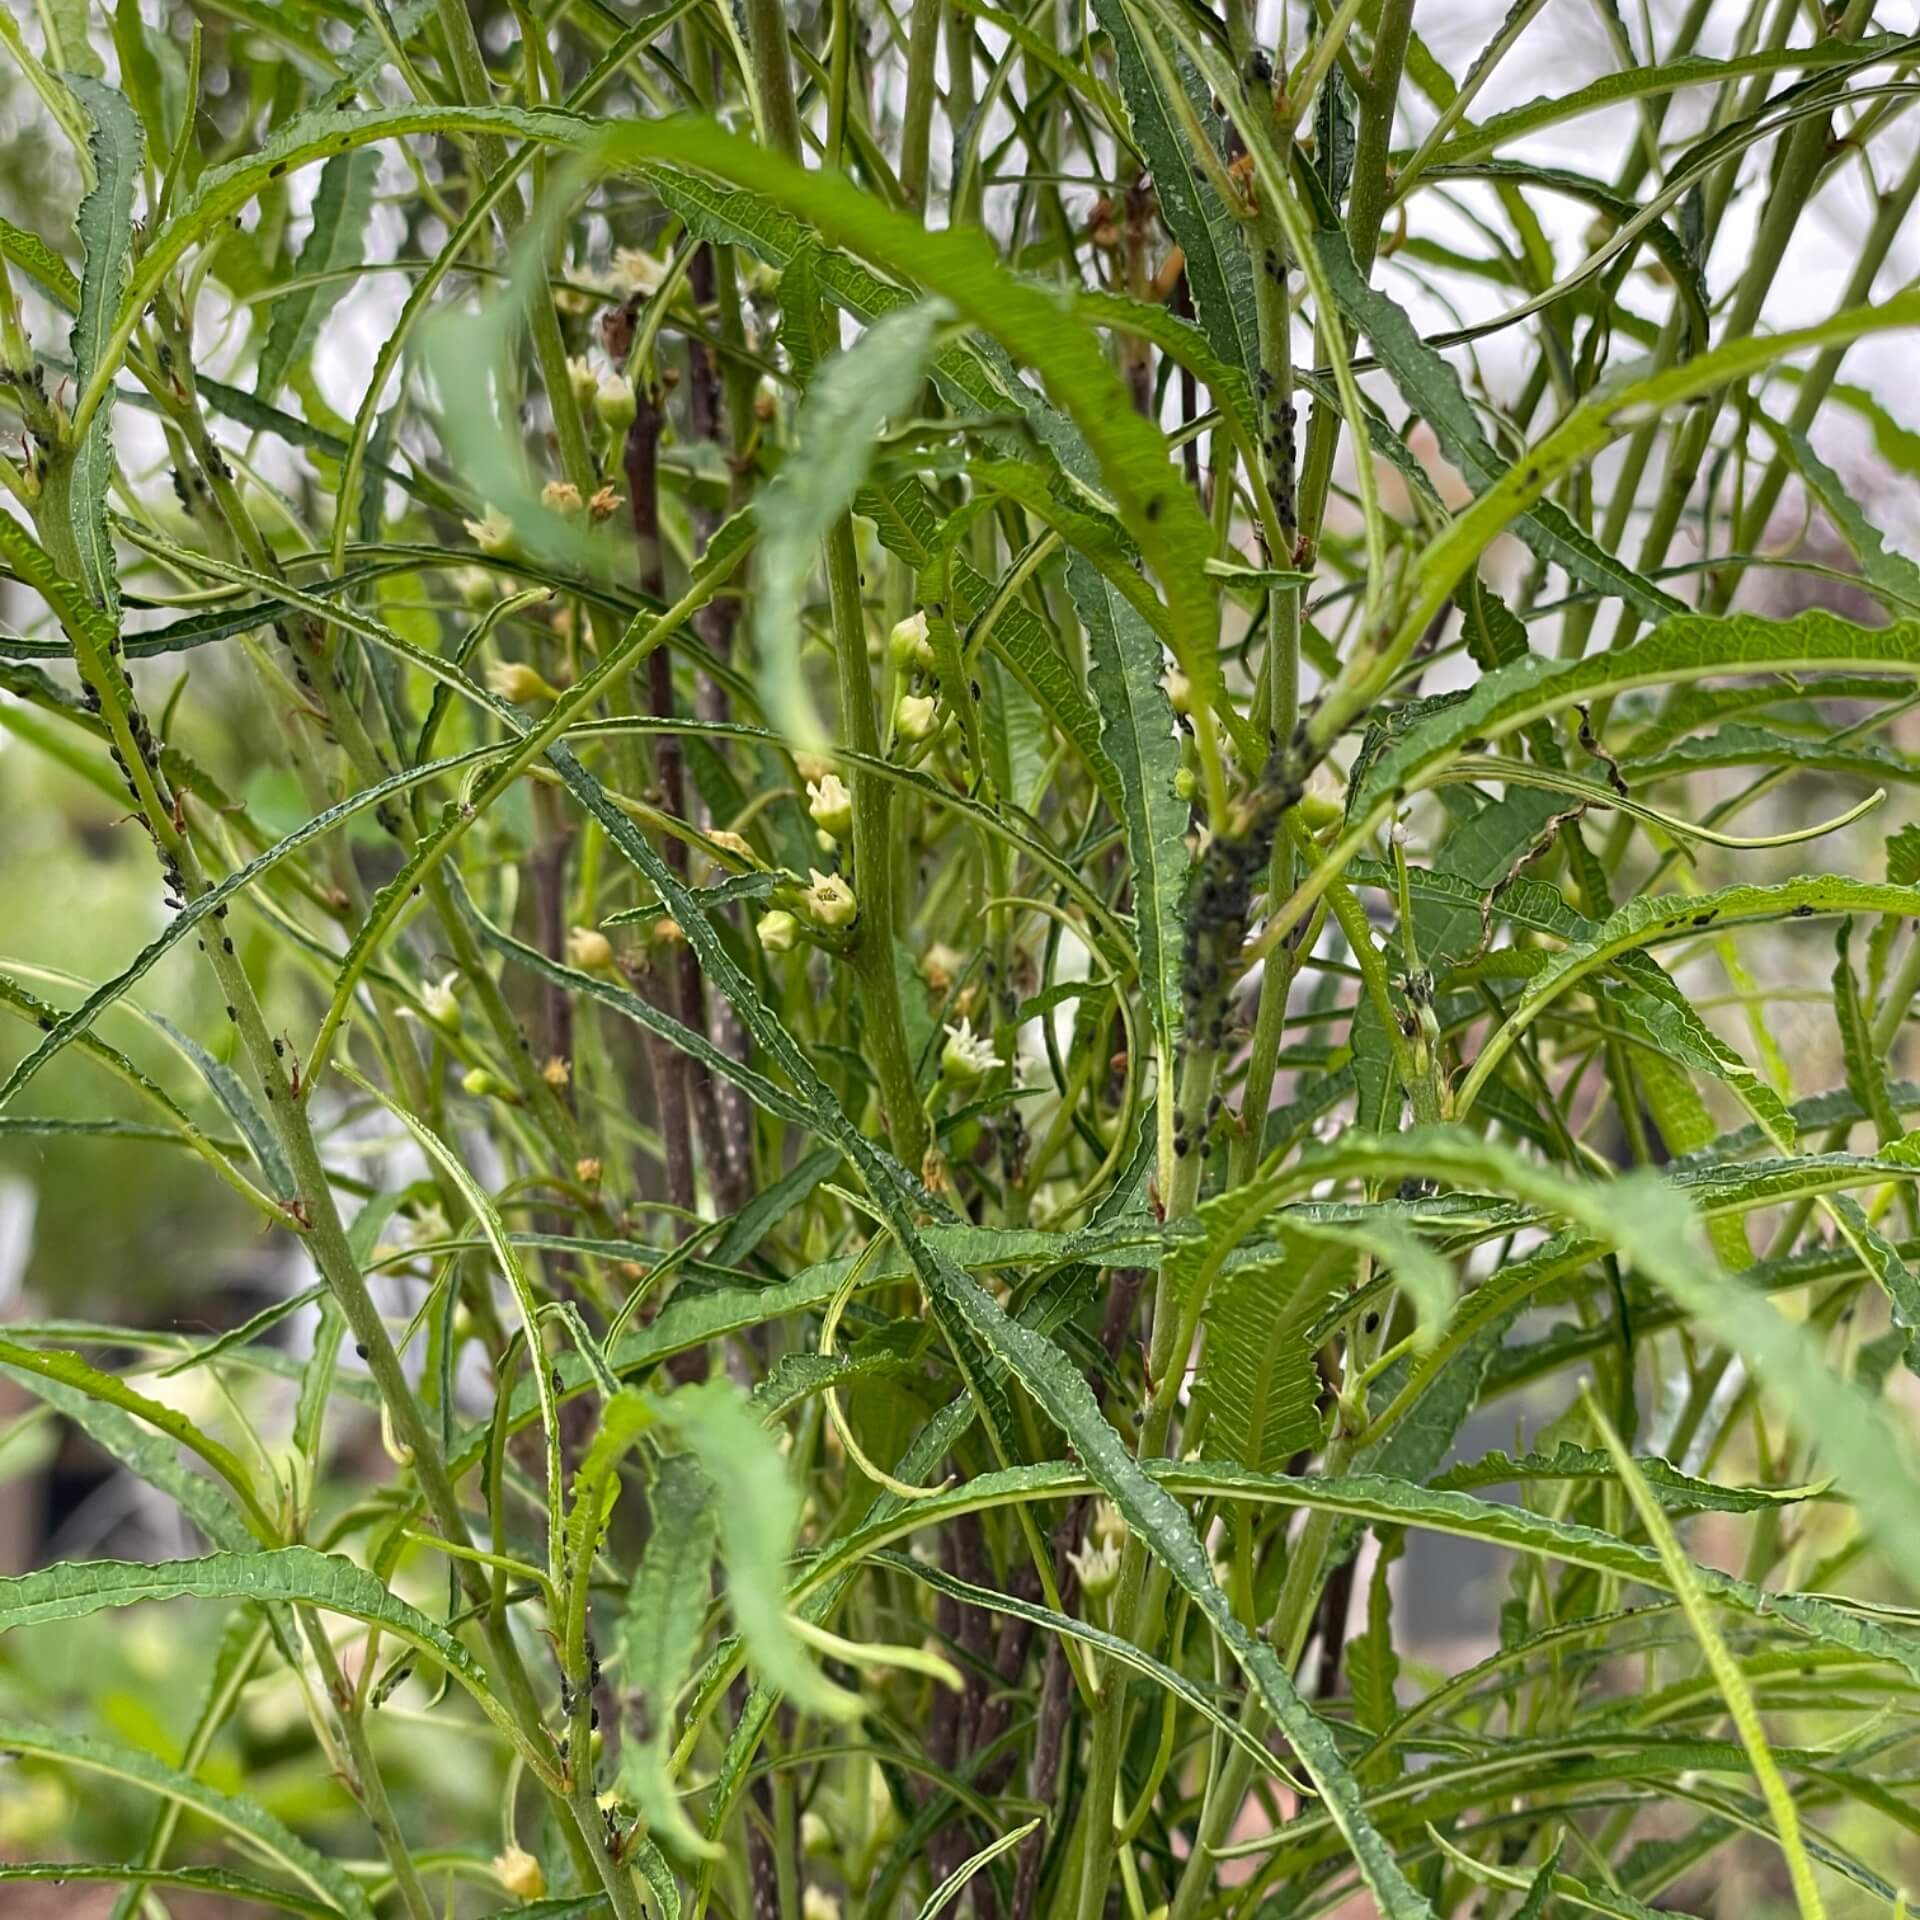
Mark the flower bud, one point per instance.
(588, 1171)
(615, 402)
(737, 843)
(515, 680)
(908, 645)
(916, 716)
(777, 930)
(941, 966)
(556, 1073)
(812, 766)
(483, 1085)
(590, 950)
(1184, 783)
(583, 380)
(1322, 804)
(519, 1873)
(830, 900)
(830, 805)
(818, 1904)
(816, 1837)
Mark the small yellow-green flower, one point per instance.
(830, 805)
(491, 533)
(830, 901)
(519, 1872)
(516, 681)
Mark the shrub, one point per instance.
(964, 916)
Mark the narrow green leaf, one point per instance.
(1137, 730)
(246, 1821)
(72, 1589)
(1500, 130)
(216, 1882)
(660, 1625)
(1892, 575)
(848, 399)
(340, 210)
(487, 1217)
(1433, 389)
(1218, 269)
(1653, 918)
(936, 1902)
(1682, 1492)
(64, 1378)
(106, 230)
(758, 1512)
(1726, 1671)
(68, 47)
(1866, 1066)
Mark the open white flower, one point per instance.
(1097, 1566)
(636, 271)
(967, 1055)
(491, 533)
(439, 1005)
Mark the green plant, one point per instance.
(731, 797)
